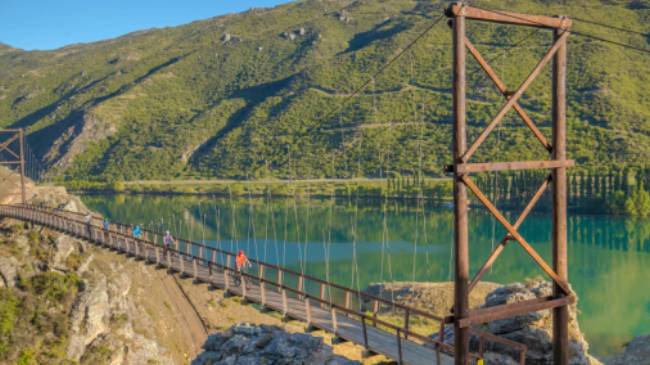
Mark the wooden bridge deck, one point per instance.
(276, 291)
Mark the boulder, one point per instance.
(436, 298)
(500, 359)
(8, 271)
(343, 16)
(246, 344)
(533, 329)
(636, 352)
(289, 35)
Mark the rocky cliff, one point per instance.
(66, 301)
(636, 352)
(533, 330)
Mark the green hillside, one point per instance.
(266, 93)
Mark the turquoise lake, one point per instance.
(356, 243)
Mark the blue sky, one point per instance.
(49, 24)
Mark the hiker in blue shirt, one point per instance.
(106, 224)
(137, 231)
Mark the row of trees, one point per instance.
(614, 191)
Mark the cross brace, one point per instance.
(462, 168)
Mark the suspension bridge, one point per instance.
(352, 314)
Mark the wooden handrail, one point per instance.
(403, 331)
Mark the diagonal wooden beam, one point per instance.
(11, 140)
(512, 100)
(4, 146)
(502, 244)
(504, 91)
(11, 152)
(513, 232)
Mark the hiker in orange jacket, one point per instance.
(241, 264)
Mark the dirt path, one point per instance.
(261, 181)
(9, 187)
(184, 313)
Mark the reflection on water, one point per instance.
(355, 244)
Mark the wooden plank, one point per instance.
(466, 168)
(508, 17)
(484, 315)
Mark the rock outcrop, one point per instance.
(251, 345)
(435, 298)
(535, 330)
(636, 352)
(95, 324)
(8, 271)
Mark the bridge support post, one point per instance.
(260, 275)
(285, 305)
(226, 277)
(560, 314)
(335, 327)
(22, 166)
(181, 264)
(322, 295)
(462, 168)
(375, 310)
(244, 287)
(366, 348)
(347, 300)
(195, 270)
(309, 327)
(461, 242)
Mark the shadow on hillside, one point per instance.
(254, 96)
(378, 33)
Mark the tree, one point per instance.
(638, 203)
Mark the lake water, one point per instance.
(356, 243)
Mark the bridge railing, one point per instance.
(311, 290)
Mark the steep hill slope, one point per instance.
(267, 92)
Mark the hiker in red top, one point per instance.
(241, 263)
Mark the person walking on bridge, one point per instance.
(88, 219)
(241, 264)
(106, 225)
(168, 241)
(137, 231)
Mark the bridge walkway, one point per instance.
(347, 313)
